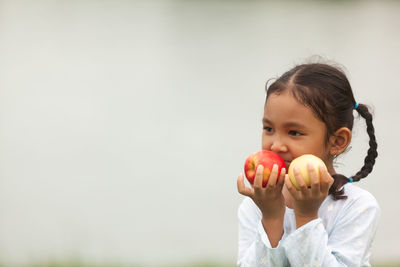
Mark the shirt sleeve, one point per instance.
(254, 246)
(347, 244)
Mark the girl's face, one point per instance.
(291, 129)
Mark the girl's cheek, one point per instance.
(265, 143)
(264, 146)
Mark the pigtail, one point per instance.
(369, 160)
(336, 190)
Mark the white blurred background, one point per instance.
(124, 124)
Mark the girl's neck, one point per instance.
(329, 165)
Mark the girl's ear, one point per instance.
(339, 141)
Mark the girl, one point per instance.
(309, 110)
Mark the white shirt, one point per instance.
(341, 236)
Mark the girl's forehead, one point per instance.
(282, 100)
(284, 107)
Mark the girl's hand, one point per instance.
(269, 199)
(307, 200)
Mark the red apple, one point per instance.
(267, 159)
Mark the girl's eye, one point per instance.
(295, 133)
(268, 129)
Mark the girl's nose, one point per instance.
(278, 146)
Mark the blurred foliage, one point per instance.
(193, 264)
(203, 264)
(76, 264)
(199, 264)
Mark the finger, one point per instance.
(326, 179)
(300, 181)
(314, 180)
(290, 187)
(273, 177)
(259, 177)
(281, 180)
(242, 189)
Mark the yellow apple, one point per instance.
(301, 163)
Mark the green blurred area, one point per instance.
(199, 264)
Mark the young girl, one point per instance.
(309, 110)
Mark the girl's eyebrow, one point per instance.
(293, 124)
(286, 124)
(266, 121)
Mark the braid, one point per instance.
(369, 160)
(336, 190)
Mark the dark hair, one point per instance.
(326, 90)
